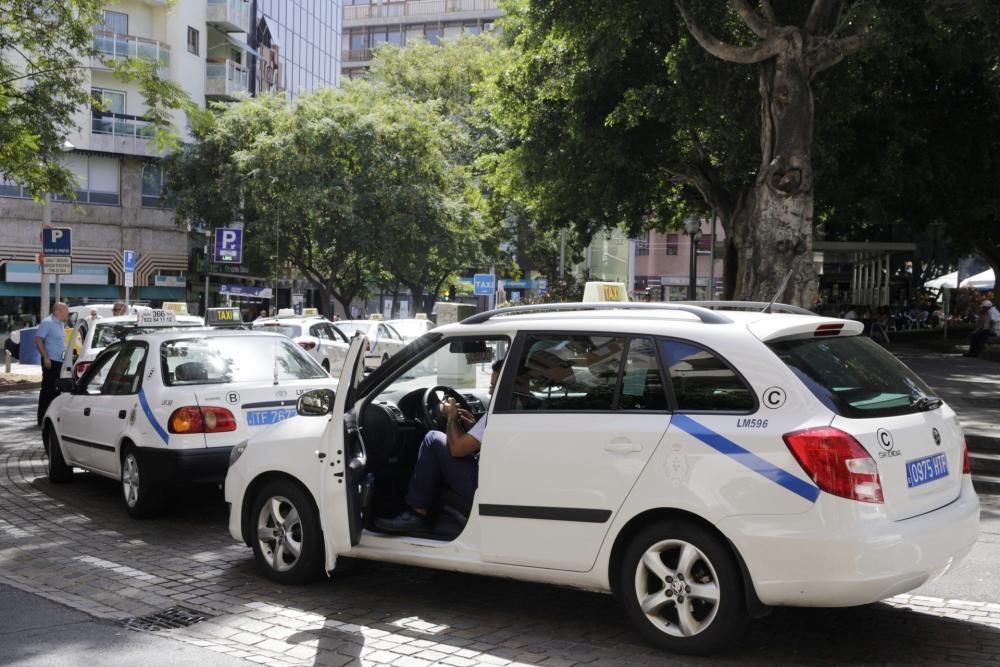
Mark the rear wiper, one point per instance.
(926, 403)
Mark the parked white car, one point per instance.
(104, 310)
(412, 328)
(383, 339)
(89, 337)
(315, 334)
(165, 409)
(700, 464)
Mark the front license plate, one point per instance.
(927, 469)
(265, 417)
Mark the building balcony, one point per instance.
(419, 10)
(356, 57)
(226, 79)
(229, 15)
(111, 45)
(122, 133)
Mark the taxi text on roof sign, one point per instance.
(600, 291)
(229, 315)
(156, 318)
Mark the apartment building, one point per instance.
(217, 51)
(368, 23)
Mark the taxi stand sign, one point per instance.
(57, 250)
(157, 317)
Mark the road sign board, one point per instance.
(543, 286)
(128, 259)
(229, 245)
(484, 284)
(58, 265)
(57, 242)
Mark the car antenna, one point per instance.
(781, 290)
(276, 364)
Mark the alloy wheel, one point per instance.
(130, 479)
(677, 588)
(279, 533)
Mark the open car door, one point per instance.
(342, 485)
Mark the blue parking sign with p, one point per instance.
(57, 241)
(484, 284)
(228, 245)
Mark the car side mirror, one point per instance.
(315, 403)
(66, 385)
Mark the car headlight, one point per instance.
(237, 452)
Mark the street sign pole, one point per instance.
(46, 222)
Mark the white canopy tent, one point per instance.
(949, 280)
(984, 280)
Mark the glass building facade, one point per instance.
(297, 45)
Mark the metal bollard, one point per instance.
(6, 361)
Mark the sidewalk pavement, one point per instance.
(21, 376)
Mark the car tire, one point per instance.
(142, 496)
(682, 588)
(59, 471)
(283, 520)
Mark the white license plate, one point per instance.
(927, 469)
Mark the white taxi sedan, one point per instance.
(315, 334)
(164, 409)
(383, 339)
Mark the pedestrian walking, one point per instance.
(50, 339)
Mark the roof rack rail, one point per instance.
(759, 306)
(706, 315)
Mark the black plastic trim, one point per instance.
(575, 514)
(88, 443)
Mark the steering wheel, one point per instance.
(432, 416)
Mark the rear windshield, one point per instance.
(290, 330)
(238, 358)
(350, 329)
(854, 376)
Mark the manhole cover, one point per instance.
(168, 619)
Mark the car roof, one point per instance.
(299, 319)
(179, 334)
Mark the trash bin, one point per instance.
(29, 353)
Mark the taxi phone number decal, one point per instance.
(267, 417)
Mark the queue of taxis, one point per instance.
(162, 405)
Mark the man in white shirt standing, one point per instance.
(987, 326)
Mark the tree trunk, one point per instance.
(772, 224)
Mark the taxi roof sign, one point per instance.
(595, 291)
(376, 316)
(224, 317)
(156, 317)
(310, 312)
(179, 307)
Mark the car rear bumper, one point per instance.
(178, 467)
(844, 553)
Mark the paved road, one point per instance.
(74, 544)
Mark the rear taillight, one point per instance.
(837, 463)
(80, 368)
(192, 419)
(307, 344)
(966, 466)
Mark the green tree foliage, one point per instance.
(44, 48)
(631, 114)
(355, 182)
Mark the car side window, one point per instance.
(574, 372)
(383, 332)
(393, 333)
(94, 381)
(642, 385)
(337, 335)
(319, 331)
(126, 372)
(702, 381)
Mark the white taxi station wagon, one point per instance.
(164, 408)
(702, 462)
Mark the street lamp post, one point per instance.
(693, 228)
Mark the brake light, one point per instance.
(837, 463)
(966, 466)
(307, 344)
(80, 368)
(192, 419)
(832, 329)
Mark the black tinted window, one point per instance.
(703, 381)
(854, 376)
(641, 386)
(567, 372)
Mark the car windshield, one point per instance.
(854, 376)
(238, 358)
(104, 335)
(350, 329)
(410, 328)
(290, 330)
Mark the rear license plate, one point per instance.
(265, 417)
(927, 469)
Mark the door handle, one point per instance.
(121, 414)
(622, 447)
(86, 412)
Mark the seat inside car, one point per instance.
(191, 371)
